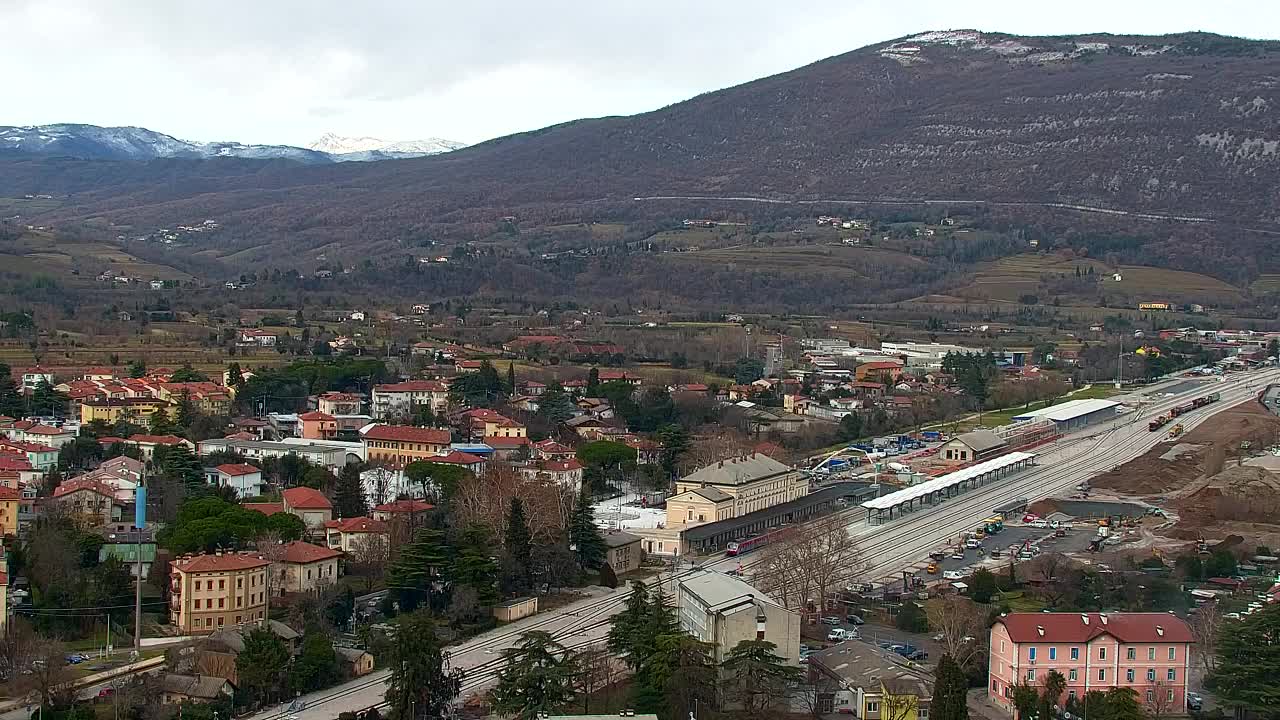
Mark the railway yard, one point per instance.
(890, 548)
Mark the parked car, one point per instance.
(1195, 702)
(830, 620)
(957, 555)
(840, 635)
(932, 569)
(106, 692)
(1039, 523)
(854, 619)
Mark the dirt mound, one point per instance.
(1245, 422)
(1239, 493)
(1205, 449)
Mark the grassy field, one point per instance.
(40, 253)
(1012, 277)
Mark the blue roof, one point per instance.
(472, 448)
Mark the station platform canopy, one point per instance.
(949, 481)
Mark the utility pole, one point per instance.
(1120, 365)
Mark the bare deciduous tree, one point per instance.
(1206, 624)
(486, 501)
(270, 546)
(369, 556)
(811, 564)
(960, 621)
(1159, 704)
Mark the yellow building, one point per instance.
(732, 488)
(210, 592)
(137, 411)
(10, 499)
(399, 445)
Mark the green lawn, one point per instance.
(1018, 601)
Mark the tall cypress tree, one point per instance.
(519, 542)
(511, 378)
(584, 535)
(348, 496)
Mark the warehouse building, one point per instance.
(1073, 415)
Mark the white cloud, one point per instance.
(287, 70)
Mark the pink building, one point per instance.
(1149, 652)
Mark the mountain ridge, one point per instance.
(94, 142)
(1180, 124)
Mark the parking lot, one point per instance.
(1076, 540)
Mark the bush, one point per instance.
(911, 618)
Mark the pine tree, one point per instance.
(421, 563)
(11, 403)
(186, 411)
(555, 404)
(348, 496)
(474, 566)
(421, 685)
(627, 626)
(182, 466)
(584, 535)
(235, 376)
(538, 677)
(950, 692)
(756, 677)
(519, 542)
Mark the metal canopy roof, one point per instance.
(916, 492)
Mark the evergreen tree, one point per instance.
(911, 618)
(137, 369)
(348, 496)
(261, 665)
(47, 401)
(983, 586)
(679, 677)
(186, 411)
(555, 404)
(519, 543)
(584, 535)
(474, 566)
(628, 625)
(1248, 655)
(180, 465)
(756, 677)
(421, 685)
(159, 423)
(511, 378)
(235, 376)
(11, 403)
(537, 677)
(316, 666)
(950, 692)
(675, 442)
(593, 382)
(420, 564)
(850, 427)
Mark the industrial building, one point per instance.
(722, 611)
(1074, 414)
(972, 447)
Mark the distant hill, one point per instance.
(1182, 125)
(91, 142)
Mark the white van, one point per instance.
(841, 634)
(952, 575)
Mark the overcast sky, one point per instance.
(286, 71)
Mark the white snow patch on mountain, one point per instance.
(339, 145)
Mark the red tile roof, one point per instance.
(28, 446)
(551, 447)
(219, 563)
(266, 508)
(110, 440)
(75, 484)
(1071, 627)
(237, 469)
(8, 493)
(880, 365)
(304, 552)
(156, 439)
(358, 525)
(45, 430)
(405, 433)
(456, 457)
(315, 415)
(14, 462)
(404, 506)
(305, 498)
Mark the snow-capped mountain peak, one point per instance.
(92, 142)
(339, 145)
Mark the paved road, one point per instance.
(890, 548)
